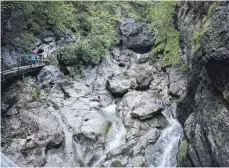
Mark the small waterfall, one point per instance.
(116, 134)
(164, 151)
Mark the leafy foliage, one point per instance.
(95, 24)
(22, 21)
(98, 33)
(40, 14)
(183, 151)
(158, 19)
(36, 92)
(199, 33)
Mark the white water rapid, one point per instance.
(165, 149)
(116, 134)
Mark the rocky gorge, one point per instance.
(129, 110)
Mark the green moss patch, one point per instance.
(36, 92)
(183, 151)
(106, 129)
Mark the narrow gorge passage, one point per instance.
(122, 84)
(99, 129)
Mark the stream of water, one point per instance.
(165, 149)
(117, 131)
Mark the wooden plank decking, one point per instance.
(21, 70)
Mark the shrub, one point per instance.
(158, 18)
(35, 93)
(52, 59)
(98, 33)
(29, 18)
(183, 151)
(203, 29)
(68, 55)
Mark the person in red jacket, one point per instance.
(33, 56)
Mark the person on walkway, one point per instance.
(33, 56)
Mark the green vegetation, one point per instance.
(183, 151)
(97, 30)
(36, 92)
(106, 129)
(158, 19)
(95, 26)
(117, 163)
(40, 14)
(52, 59)
(204, 27)
(212, 8)
(27, 19)
(200, 33)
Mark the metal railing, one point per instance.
(19, 63)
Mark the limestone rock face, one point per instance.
(111, 114)
(49, 74)
(177, 81)
(146, 110)
(133, 36)
(203, 111)
(119, 86)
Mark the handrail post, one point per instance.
(18, 63)
(2, 68)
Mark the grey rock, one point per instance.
(48, 39)
(118, 86)
(204, 105)
(93, 126)
(143, 82)
(141, 43)
(49, 74)
(177, 81)
(150, 137)
(143, 58)
(146, 110)
(129, 27)
(137, 161)
(133, 36)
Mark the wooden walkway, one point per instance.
(19, 69)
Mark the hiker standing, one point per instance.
(33, 56)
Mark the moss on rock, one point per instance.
(183, 151)
(106, 129)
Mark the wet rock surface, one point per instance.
(204, 110)
(111, 114)
(89, 126)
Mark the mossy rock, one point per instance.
(117, 163)
(36, 92)
(183, 151)
(106, 129)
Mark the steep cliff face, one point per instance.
(203, 111)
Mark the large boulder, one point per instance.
(141, 43)
(118, 85)
(93, 126)
(129, 27)
(49, 74)
(146, 110)
(143, 82)
(133, 36)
